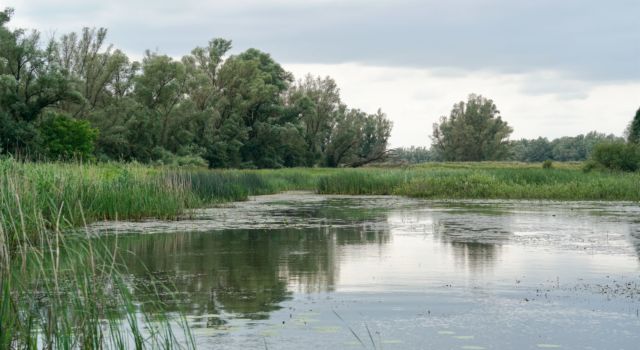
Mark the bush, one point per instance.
(547, 164)
(65, 138)
(617, 156)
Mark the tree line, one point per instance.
(562, 149)
(475, 131)
(78, 97)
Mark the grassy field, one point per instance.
(63, 290)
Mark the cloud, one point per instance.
(554, 68)
(587, 39)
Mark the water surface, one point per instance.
(299, 270)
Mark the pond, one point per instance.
(300, 270)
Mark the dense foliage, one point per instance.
(208, 107)
(616, 156)
(562, 149)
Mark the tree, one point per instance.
(358, 138)
(536, 150)
(29, 84)
(474, 131)
(634, 129)
(252, 84)
(315, 102)
(160, 89)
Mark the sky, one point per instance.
(553, 67)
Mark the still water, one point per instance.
(300, 270)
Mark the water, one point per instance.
(299, 270)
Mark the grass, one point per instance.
(68, 291)
(486, 181)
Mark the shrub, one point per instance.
(547, 164)
(617, 156)
(65, 138)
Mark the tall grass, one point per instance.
(69, 291)
(491, 181)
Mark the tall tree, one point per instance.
(252, 85)
(160, 89)
(474, 131)
(315, 102)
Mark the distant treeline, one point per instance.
(77, 97)
(563, 149)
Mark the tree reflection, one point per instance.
(476, 241)
(247, 273)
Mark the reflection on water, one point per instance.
(279, 268)
(475, 243)
(247, 273)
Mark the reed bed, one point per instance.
(486, 182)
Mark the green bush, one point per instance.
(617, 156)
(547, 164)
(65, 138)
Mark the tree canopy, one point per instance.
(633, 132)
(474, 131)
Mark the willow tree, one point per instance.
(474, 131)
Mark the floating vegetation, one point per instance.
(549, 346)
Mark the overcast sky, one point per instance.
(553, 67)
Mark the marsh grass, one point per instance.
(486, 181)
(70, 291)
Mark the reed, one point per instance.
(66, 290)
(473, 181)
